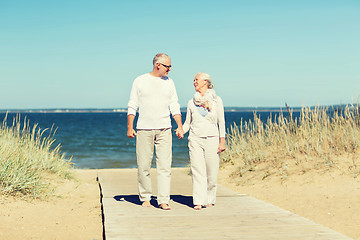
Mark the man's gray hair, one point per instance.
(158, 57)
(207, 77)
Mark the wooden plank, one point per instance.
(235, 216)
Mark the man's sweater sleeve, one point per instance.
(174, 101)
(134, 101)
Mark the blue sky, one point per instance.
(85, 54)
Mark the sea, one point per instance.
(96, 138)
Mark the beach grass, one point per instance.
(28, 160)
(318, 139)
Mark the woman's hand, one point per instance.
(221, 147)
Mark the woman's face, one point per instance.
(200, 83)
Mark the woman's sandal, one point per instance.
(198, 207)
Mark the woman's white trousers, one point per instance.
(204, 161)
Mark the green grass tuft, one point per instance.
(316, 140)
(27, 160)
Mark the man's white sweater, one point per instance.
(156, 99)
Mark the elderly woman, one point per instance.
(206, 122)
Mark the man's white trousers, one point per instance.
(145, 142)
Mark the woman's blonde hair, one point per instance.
(207, 77)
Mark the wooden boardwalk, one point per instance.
(235, 216)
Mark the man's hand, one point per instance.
(221, 147)
(130, 121)
(131, 133)
(179, 132)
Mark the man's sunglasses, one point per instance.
(167, 66)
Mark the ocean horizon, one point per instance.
(96, 138)
(183, 109)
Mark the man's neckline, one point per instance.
(163, 77)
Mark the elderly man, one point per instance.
(154, 94)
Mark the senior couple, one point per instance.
(154, 96)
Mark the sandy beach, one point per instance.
(328, 198)
(73, 213)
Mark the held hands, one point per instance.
(179, 132)
(131, 133)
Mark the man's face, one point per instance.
(164, 66)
